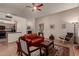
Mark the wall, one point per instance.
(47, 21)
(31, 23)
(65, 17)
(22, 24)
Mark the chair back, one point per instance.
(41, 34)
(28, 50)
(69, 36)
(24, 46)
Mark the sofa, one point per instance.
(33, 39)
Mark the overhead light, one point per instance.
(35, 8)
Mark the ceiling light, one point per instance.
(34, 8)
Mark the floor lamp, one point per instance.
(75, 23)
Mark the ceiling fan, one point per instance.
(36, 6)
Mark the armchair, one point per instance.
(68, 37)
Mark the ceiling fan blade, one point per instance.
(39, 9)
(40, 5)
(37, 6)
(33, 4)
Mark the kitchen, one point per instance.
(11, 28)
(7, 31)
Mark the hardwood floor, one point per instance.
(10, 49)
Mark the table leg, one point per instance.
(53, 44)
(46, 51)
(40, 52)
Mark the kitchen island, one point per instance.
(12, 36)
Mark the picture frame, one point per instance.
(41, 27)
(63, 26)
(52, 26)
(28, 27)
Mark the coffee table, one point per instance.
(46, 44)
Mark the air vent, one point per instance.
(8, 16)
(5, 16)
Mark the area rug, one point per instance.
(59, 51)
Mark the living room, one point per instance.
(52, 20)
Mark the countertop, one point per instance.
(13, 32)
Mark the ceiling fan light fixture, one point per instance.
(35, 8)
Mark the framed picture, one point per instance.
(52, 26)
(63, 26)
(28, 27)
(41, 27)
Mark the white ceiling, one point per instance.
(19, 9)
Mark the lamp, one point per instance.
(75, 23)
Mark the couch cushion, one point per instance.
(31, 36)
(27, 39)
(37, 41)
(33, 39)
(34, 35)
(40, 37)
(27, 36)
